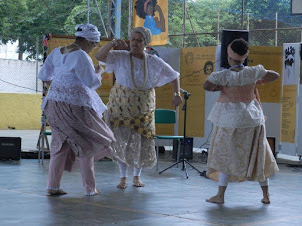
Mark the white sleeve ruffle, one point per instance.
(47, 71)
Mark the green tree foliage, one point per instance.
(25, 20)
(79, 15)
(10, 15)
(201, 17)
(204, 19)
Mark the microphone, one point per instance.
(184, 91)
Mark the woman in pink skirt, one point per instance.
(74, 110)
(239, 149)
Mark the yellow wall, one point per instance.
(271, 58)
(19, 110)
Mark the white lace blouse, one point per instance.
(237, 115)
(159, 72)
(73, 80)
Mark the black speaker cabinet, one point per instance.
(10, 148)
(188, 148)
(227, 37)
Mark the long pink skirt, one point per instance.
(83, 130)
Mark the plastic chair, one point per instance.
(166, 116)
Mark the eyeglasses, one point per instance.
(137, 40)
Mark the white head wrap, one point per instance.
(144, 31)
(88, 31)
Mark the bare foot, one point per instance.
(97, 192)
(216, 199)
(266, 200)
(137, 182)
(56, 192)
(123, 183)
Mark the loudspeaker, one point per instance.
(10, 148)
(188, 148)
(227, 37)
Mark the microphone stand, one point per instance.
(183, 160)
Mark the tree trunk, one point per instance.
(20, 50)
(20, 55)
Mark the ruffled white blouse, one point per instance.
(159, 72)
(73, 80)
(239, 114)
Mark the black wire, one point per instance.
(194, 72)
(170, 152)
(20, 86)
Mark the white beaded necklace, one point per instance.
(145, 72)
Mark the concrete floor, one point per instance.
(167, 199)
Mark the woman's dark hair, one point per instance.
(139, 6)
(81, 39)
(240, 46)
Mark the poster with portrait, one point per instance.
(196, 64)
(152, 14)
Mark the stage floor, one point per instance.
(167, 199)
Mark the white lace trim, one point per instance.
(159, 72)
(76, 95)
(237, 115)
(247, 76)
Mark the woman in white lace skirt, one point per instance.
(74, 110)
(239, 149)
(132, 101)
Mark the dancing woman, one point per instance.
(239, 149)
(132, 101)
(74, 110)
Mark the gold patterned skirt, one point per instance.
(130, 116)
(242, 153)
